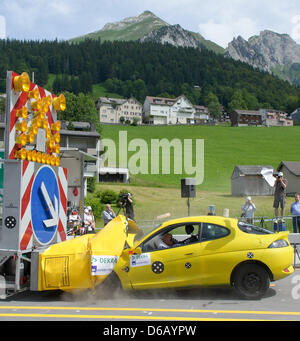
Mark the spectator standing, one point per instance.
(248, 209)
(89, 221)
(295, 211)
(280, 193)
(108, 214)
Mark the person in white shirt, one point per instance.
(248, 209)
(89, 221)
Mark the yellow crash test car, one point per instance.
(206, 251)
(182, 253)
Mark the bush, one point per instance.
(108, 197)
(91, 184)
(97, 194)
(96, 205)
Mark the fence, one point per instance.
(275, 224)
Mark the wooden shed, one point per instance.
(248, 180)
(291, 171)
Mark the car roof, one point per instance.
(202, 219)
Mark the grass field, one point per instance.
(99, 90)
(224, 148)
(151, 202)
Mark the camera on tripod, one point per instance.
(124, 199)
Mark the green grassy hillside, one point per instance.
(225, 147)
(129, 29)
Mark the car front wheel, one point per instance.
(251, 281)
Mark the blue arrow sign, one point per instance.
(45, 204)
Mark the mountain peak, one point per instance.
(127, 22)
(269, 51)
(148, 27)
(174, 35)
(148, 13)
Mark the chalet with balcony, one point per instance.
(276, 118)
(261, 117)
(241, 118)
(159, 110)
(116, 110)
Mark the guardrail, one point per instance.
(275, 224)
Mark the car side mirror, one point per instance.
(135, 251)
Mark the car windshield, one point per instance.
(145, 231)
(249, 228)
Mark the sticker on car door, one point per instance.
(140, 260)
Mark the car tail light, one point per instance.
(279, 243)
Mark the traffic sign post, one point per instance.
(34, 206)
(35, 186)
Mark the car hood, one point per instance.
(84, 262)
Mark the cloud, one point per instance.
(216, 20)
(61, 8)
(229, 26)
(2, 27)
(295, 33)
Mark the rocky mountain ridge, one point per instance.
(174, 35)
(148, 27)
(269, 51)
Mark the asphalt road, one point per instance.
(281, 302)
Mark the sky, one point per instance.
(216, 20)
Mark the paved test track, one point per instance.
(282, 302)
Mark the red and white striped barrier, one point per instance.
(35, 192)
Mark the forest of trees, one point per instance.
(131, 68)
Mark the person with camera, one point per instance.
(126, 203)
(295, 211)
(280, 194)
(129, 207)
(248, 209)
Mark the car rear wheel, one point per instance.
(251, 281)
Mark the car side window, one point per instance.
(212, 231)
(179, 235)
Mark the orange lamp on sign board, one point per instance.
(22, 82)
(59, 103)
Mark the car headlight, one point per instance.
(279, 243)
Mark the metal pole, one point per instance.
(7, 114)
(82, 187)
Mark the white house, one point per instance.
(201, 114)
(159, 110)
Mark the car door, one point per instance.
(162, 268)
(214, 261)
